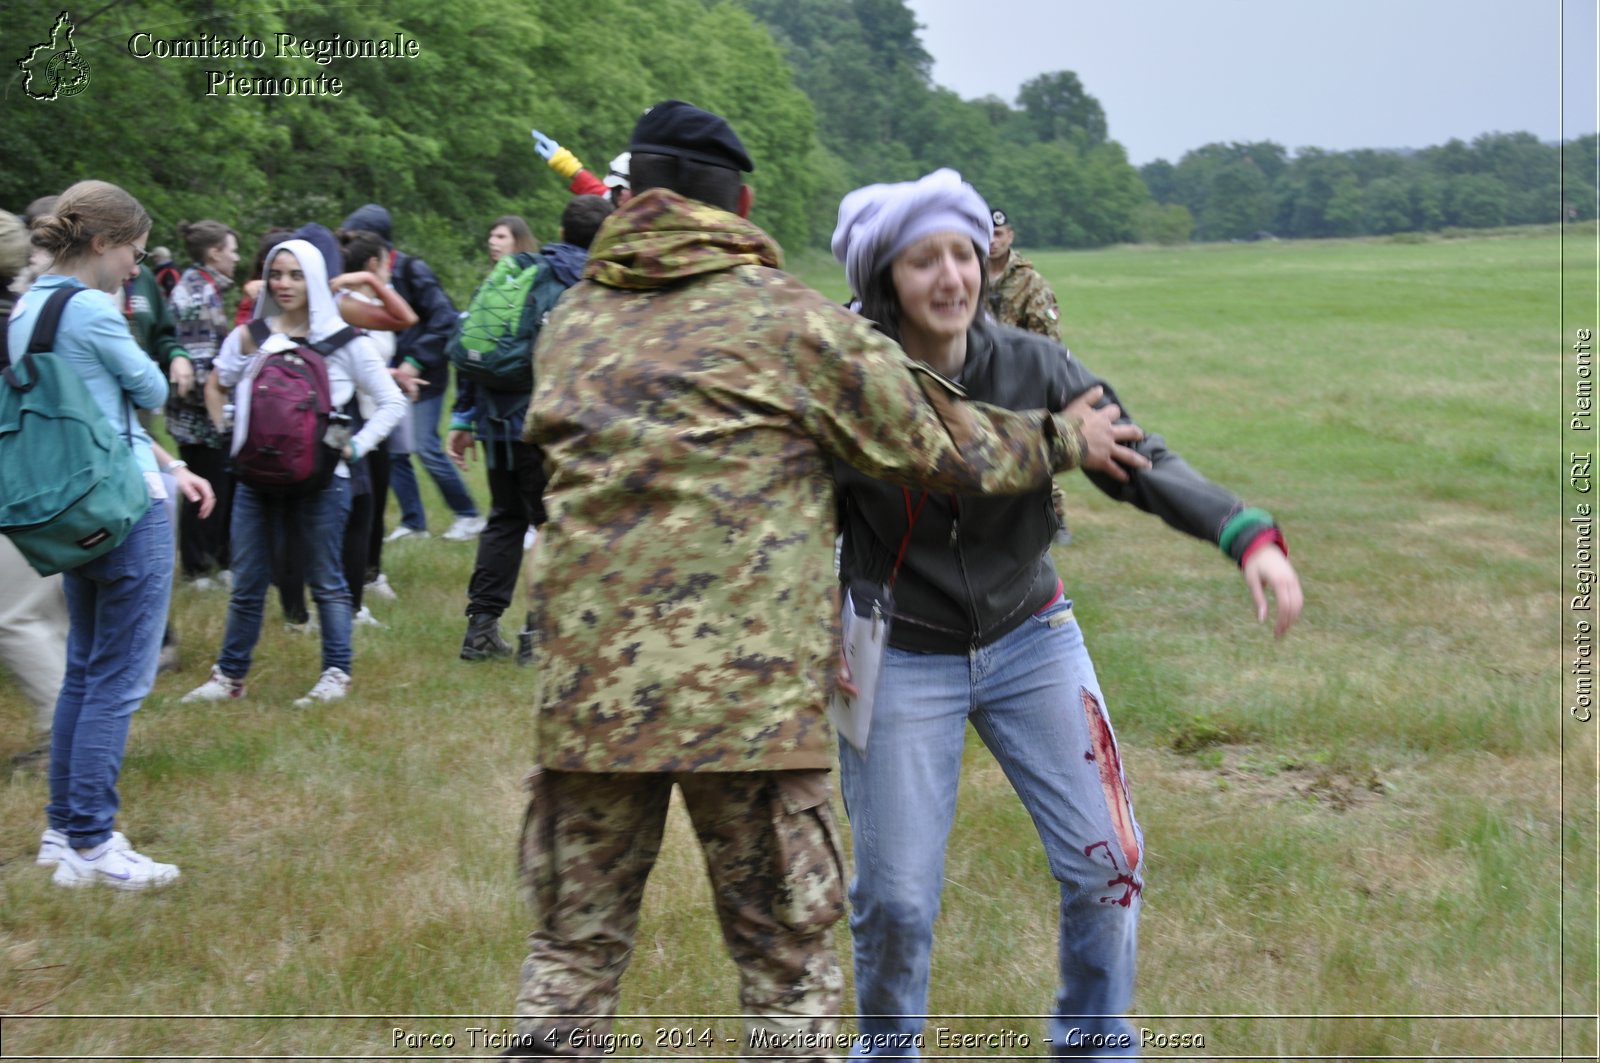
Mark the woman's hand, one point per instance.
(181, 373)
(197, 490)
(1268, 568)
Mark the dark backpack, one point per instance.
(70, 487)
(283, 452)
(493, 345)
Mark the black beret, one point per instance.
(1000, 218)
(677, 128)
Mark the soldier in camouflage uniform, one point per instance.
(1018, 295)
(689, 397)
(1021, 298)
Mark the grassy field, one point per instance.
(1373, 839)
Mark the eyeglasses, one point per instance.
(139, 256)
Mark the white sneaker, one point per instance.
(225, 577)
(52, 843)
(218, 688)
(363, 618)
(204, 583)
(310, 627)
(334, 684)
(404, 532)
(463, 529)
(121, 869)
(379, 588)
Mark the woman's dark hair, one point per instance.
(269, 239)
(86, 210)
(201, 236)
(521, 235)
(880, 303)
(359, 245)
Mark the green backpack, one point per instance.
(494, 344)
(70, 487)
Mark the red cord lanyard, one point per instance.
(911, 522)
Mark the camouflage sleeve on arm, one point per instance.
(864, 400)
(1040, 313)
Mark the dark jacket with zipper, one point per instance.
(977, 566)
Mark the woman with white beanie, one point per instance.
(983, 631)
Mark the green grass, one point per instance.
(1381, 816)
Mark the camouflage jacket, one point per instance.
(1019, 297)
(689, 396)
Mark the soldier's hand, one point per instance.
(1104, 438)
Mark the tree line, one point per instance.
(828, 95)
(1238, 191)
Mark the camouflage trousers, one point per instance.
(772, 853)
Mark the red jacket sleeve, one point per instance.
(585, 183)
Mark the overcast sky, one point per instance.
(1338, 74)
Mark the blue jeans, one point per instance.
(429, 449)
(117, 610)
(1033, 698)
(257, 520)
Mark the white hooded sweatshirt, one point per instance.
(357, 366)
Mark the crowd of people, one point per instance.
(700, 439)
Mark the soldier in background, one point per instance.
(1018, 295)
(690, 395)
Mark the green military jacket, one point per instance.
(689, 395)
(1021, 298)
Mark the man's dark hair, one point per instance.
(880, 303)
(581, 219)
(716, 185)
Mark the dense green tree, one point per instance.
(1238, 202)
(1388, 206)
(441, 139)
(1580, 162)
(1059, 108)
(1162, 223)
(1475, 201)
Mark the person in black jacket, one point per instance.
(982, 630)
(515, 469)
(420, 352)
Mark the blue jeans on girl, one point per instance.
(117, 609)
(319, 521)
(1033, 699)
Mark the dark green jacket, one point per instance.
(150, 319)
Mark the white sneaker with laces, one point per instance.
(464, 528)
(379, 588)
(53, 842)
(106, 865)
(404, 532)
(218, 688)
(334, 684)
(363, 618)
